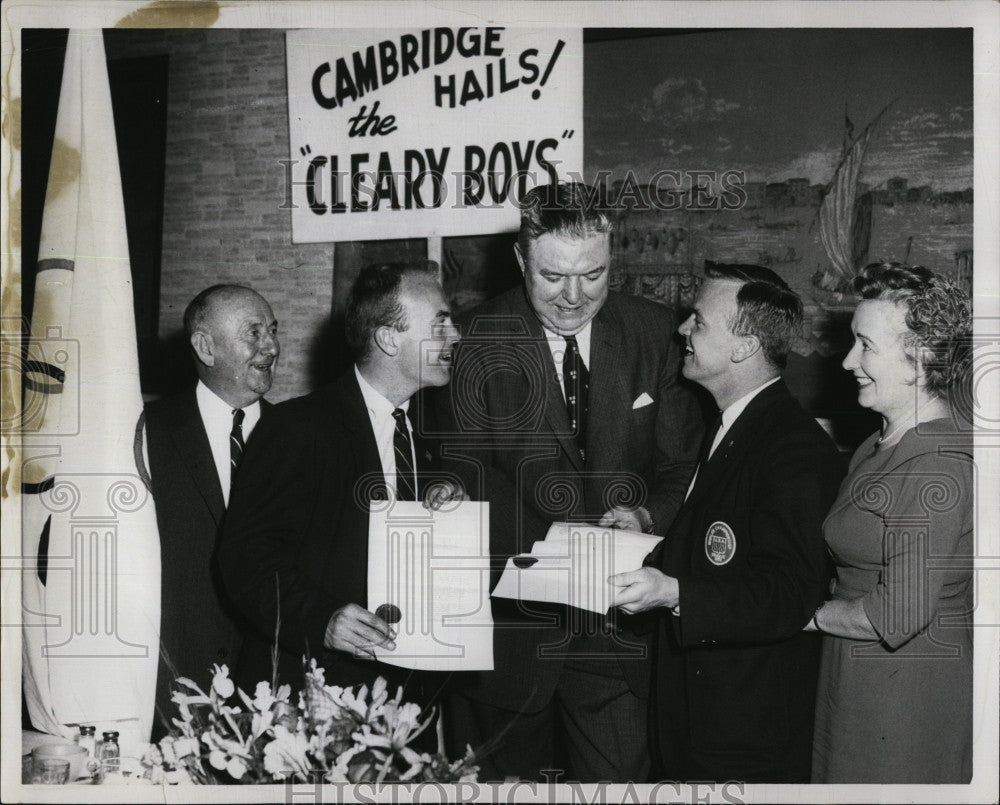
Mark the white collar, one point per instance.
(212, 405)
(733, 411)
(557, 344)
(582, 337)
(375, 401)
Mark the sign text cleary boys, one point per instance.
(398, 134)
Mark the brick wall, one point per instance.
(227, 129)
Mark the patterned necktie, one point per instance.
(236, 444)
(576, 380)
(405, 486)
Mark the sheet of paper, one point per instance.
(428, 573)
(572, 564)
(627, 549)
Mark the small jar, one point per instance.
(111, 755)
(87, 740)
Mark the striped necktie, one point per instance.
(236, 444)
(405, 485)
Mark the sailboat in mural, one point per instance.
(845, 219)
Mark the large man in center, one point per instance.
(566, 407)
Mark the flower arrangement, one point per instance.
(332, 735)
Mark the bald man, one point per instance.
(195, 442)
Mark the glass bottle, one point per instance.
(87, 740)
(111, 755)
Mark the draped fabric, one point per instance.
(91, 567)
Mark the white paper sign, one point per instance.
(572, 565)
(428, 576)
(398, 133)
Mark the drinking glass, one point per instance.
(50, 771)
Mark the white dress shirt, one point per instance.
(384, 426)
(729, 416)
(217, 417)
(557, 345)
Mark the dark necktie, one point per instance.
(706, 446)
(405, 488)
(236, 444)
(576, 380)
(710, 434)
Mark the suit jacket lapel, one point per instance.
(192, 443)
(536, 361)
(364, 448)
(609, 396)
(734, 443)
(425, 448)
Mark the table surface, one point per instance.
(30, 739)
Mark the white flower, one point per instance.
(181, 775)
(153, 756)
(367, 739)
(287, 753)
(225, 754)
(407, 722)
(184, 702)
(380, 692)
(187, 683)
(416, 760)
(262, 697)
(185, 746)
(236, 767)
(337, 773)
(157, 774)
(218, 759)
(221, 683)
(293, 742)
(355, 701)
(168, 746)
(261, 723)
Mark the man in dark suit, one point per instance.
(194, 441)
(294, 548)
(566, 407)
(744, 566)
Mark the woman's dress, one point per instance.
(899, 709)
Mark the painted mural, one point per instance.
(797, 116)
(779, 109)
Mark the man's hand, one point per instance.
(356, 631)
(441, 492)
(644, 589)
(638, 519)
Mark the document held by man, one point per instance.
(428, 577)
(572, 565)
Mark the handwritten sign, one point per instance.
(427, 132)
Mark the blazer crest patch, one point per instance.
(720, 543)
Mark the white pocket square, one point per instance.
(642, 401)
